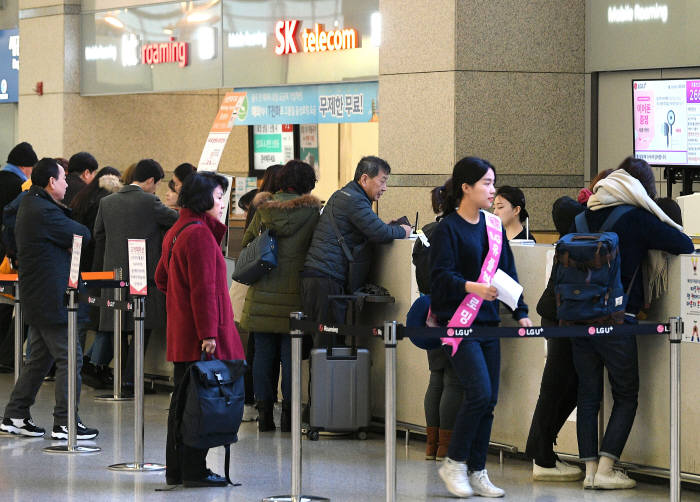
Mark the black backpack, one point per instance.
(210, 405)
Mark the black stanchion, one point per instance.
(71, 446)
(138, 465)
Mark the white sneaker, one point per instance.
(482, 485)
(614, 480)
(250, 413)
(454, 474)
(560, 472)
(588, 483)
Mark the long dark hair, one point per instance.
(439, 196)
(516, 198)
(83, 199)
(469, 170)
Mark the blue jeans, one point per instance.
(267, 346)
(619, 356)
(477, 365)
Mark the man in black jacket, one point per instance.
(326, 266)
(82, 168)
(44, 234)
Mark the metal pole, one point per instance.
(138, 465)
(675, 380)
(297, 335)
(390, 408)
(117, 328)
(71, 446)
(19, 332)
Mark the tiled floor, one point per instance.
(340, 469)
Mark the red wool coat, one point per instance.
(197, 299)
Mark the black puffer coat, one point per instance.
(356, 223)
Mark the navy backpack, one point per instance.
(586, 274)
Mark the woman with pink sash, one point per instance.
(467, 248)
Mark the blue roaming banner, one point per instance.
(309, 104)
(9, 65)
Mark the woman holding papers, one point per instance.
(468, 246)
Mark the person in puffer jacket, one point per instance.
(326, 267)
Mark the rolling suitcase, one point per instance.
(339, 400)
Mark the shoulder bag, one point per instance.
(256, 259)
(359, 260)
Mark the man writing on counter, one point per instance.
(347, 222)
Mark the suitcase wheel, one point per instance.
(312, 434)
(362, 435)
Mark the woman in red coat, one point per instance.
(192, 274)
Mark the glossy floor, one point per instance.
(340, 469)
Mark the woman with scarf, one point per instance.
(466, 249)
(644, 234)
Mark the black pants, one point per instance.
(7, 335)
(558, 394)
(183, 462)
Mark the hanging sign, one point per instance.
(220, 130)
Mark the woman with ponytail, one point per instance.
(509, 206)
(467, 247)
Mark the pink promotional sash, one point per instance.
(466, 312)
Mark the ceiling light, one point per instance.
(111, 20)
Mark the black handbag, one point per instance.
(256, 259)
(359, 260)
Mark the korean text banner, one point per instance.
(9, 65)
(309, 104)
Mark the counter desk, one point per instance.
(522, 362)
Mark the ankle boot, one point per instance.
(286, 417)
(444, 436)
(431, 441)
(266, 420)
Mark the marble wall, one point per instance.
(502, 80)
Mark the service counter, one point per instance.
(522, 362)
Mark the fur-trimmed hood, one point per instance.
(110, 182)
(269, 200)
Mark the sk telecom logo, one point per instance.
(316, 40)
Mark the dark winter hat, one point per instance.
(22, 155)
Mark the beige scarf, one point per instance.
(619, 188)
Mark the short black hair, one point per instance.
(81, 161)
(196, 193)
(147, 168)
(183, 171)
(43, 171)
(297, 176)
(371, 166)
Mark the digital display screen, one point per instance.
(667, 121)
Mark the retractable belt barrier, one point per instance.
(9, 285)
(110, 280)
(391, 332)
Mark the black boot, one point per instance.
(286, 418)
(266, 420)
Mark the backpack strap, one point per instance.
(170, 252)
(615, 215)
(338, 235)
(582, 223)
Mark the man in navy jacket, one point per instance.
(44, 234)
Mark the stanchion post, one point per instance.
(19, 332)
(117, 328)
(138, 465)
(675, 415)
(390, 408)
(297, 336)
(71, 446)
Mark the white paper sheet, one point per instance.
(508, 290)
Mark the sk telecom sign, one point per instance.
(290, 41)
(9, 65)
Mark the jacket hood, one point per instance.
(110, 182)
(285, 201)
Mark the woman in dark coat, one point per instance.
(200, 318)
(292, 213)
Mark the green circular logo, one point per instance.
(243, 110)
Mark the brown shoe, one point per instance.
(431, 442)
(444, 436)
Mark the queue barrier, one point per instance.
(392, 332)
(9, 284)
